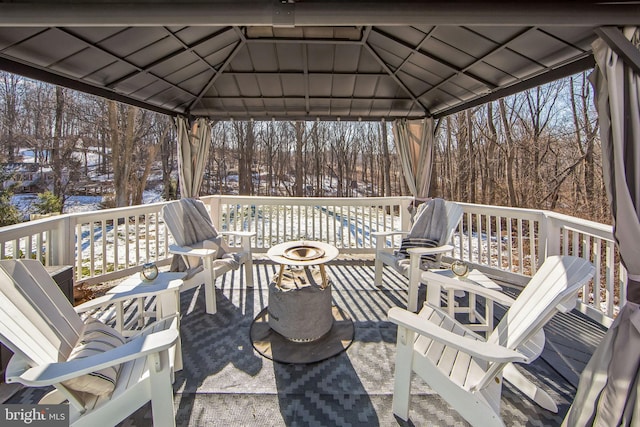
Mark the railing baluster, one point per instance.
(92, 251)
(622, 281)
(532, 247)
(520, 245)
(136, 233)
(510, 240)
(103, 228)
(116, 244)
(610, 279)
(470, 239)
(146, 239)
(79, 251)
(499, 241)
(127, 238)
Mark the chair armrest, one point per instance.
(53, 373)
(430, 251)
(377, 234)
(245, 237)
(381, 238)
(238, 233)
(450, 283)
(139, 292)
(188, 251)
(481, 349)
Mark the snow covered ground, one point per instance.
(24, 202)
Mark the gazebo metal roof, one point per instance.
(304, 59)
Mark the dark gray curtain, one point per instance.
(608, 390)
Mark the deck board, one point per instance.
(226, 382)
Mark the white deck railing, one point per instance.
(512, 243)
(527, 237)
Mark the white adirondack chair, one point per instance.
(42, 328)
(188, 220)
(463, 368)
(387, 255)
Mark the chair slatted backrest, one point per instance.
(187, 219)
(454, 215)
(36, 319)
(553, 288)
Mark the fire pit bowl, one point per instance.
(303, 253)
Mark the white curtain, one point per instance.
(193, 152)
(608, 390)
(415, 140)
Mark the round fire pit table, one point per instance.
(300, 325)
(302, 253)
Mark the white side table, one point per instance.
(439, 280)
(167, 303)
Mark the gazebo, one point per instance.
(409, 62)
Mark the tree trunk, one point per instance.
(122, 134)
(56, 160)
(510, 152)
(386, 160)
(299, 163)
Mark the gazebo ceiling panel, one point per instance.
(74, 64)
(408, 35)
(180, 67)
(536, 47)
(293, 85)
(365, 86)
(10, 36)
(414, 84)
(262, 57)
(218, 58)
(458, 38)
(427, 69)
(320, 57)
(103, 76)
(34, 49)
(577, 37)
(94, 35)
(270, 85)
(512, 64)
(489, 72)
(320, 85)
(136, 83)
(347, 58)
(243, 60)
(132, 40)
(290, 57)
(220, 44)
(153, 89)
(303, 59)
(196, 34)
(193, 84)
(343, 86)
(226, 86)
(445, 53)
(248, 86)
(156, 54)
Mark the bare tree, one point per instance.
(245, 140)
(122, 120)
(10, 93)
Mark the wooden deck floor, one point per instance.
(226, 382)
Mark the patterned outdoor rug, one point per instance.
(225, 382)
